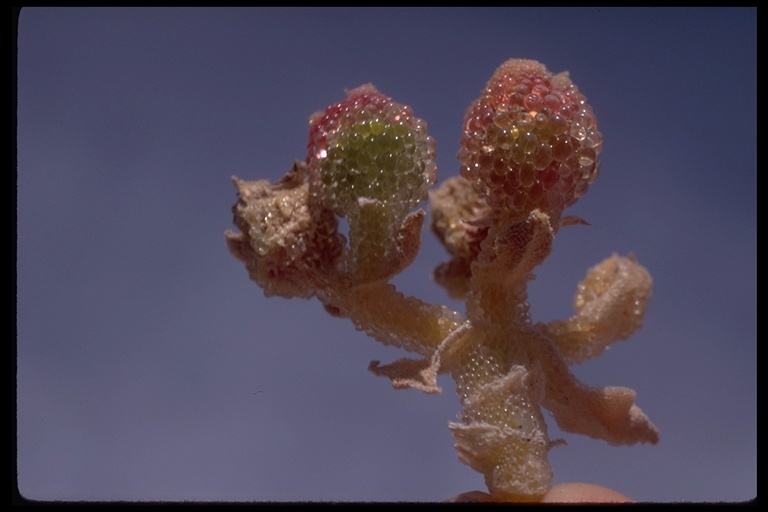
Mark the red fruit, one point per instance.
(530, 140)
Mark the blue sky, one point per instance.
(150, 368)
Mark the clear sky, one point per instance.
(151, 368)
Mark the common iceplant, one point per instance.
(529, 149)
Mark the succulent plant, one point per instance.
(529, 150)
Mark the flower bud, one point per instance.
(369, 147)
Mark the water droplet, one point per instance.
(578, 132)
(558, 124)
(502, 120)
(552, 102)
(527, 174)
(542, 157)
(533, 102)
(587, 157)
(528, 142)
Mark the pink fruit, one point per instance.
(530, 140)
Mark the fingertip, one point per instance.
(577, 492)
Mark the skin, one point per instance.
(572, 492)
(577, 492)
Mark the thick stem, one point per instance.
(372, 236)
(503, 268)
(393, 318)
